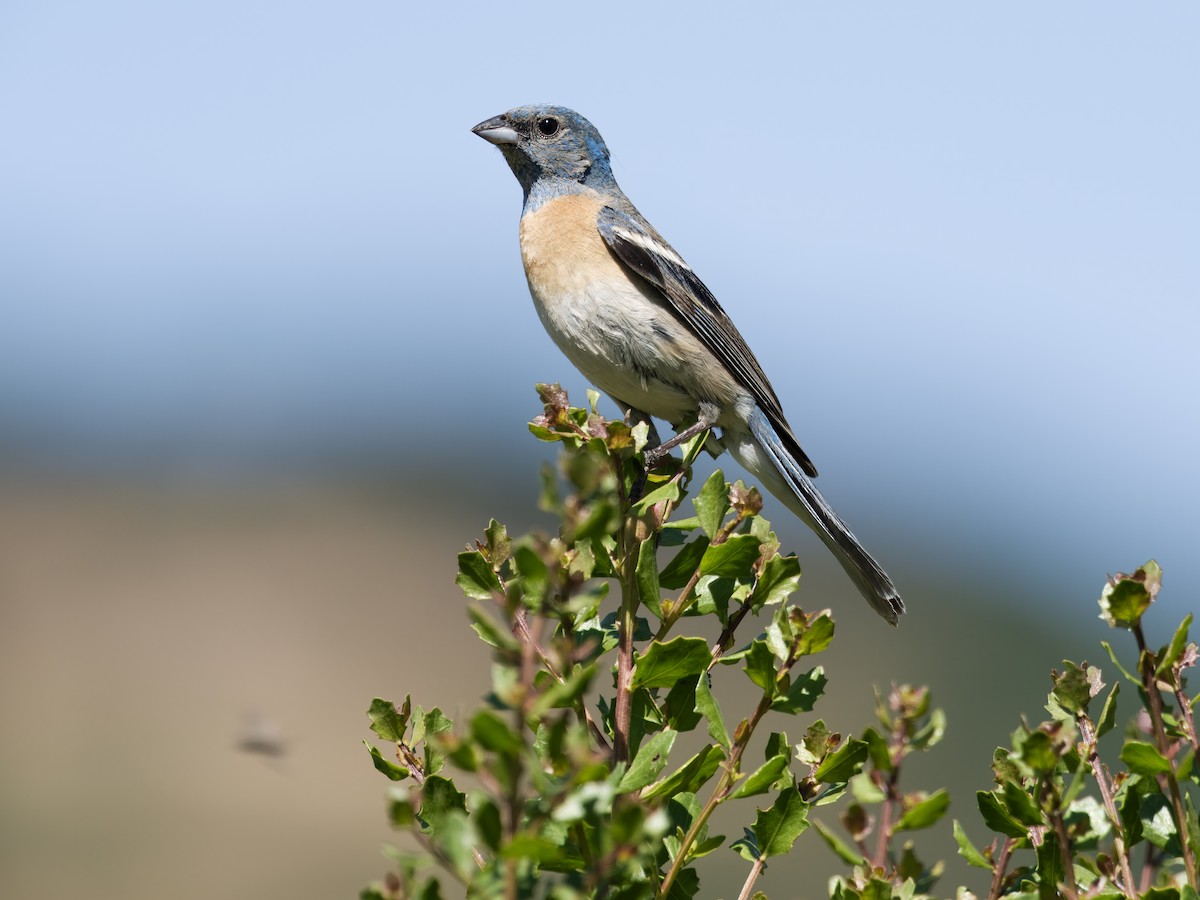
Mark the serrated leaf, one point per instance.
(475, 576)
(996, 816)
(387, 767)
(760, 664)
(778, 579)
(925, 813)
(1020, 805)
(843, 763)
(778, 827)
(1075, 687)
(803, 692)
(816, 637)
(683, 565)
(439, 797)
(706, 705)
(650, 760)
(734, 558)
(386, 720)
(690, 776)
(967, 850)
(712, 503)
(664, 663)
(1144, 759)
(1126, 598)
(760, 781)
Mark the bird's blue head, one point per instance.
(549, 146)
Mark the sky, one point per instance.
(960, 238)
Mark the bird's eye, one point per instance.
(548, 126)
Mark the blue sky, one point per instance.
(961, 239)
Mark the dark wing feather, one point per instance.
(653, 259)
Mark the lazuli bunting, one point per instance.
(641, 326)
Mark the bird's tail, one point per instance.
(766, 457)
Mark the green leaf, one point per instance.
(690, 776)
(1108, 713)
(925, 813)
(387, 721)
(778, 580)
(931, 732)
(1144, 759)
(843, 763)
(734, 558)
(387, 767)
(682, 567)
(996, 815)
(1126, 598)
(497, 544)
(706, 705)
(650, 760)
(679, 709)
(747, 846)
(564, 694)
(489, 631)
(1075, 687)
(646, 575)
(1050, 863)
(665, 663)
(760, 665)
(803, 693)
(440, 797)
(1036, 750)
(816, 636)
(778, 827)
(967, 850)
(712, 503)
(847, 853)
(475, 576)
(1112, 654)
(877, 748)
(1158, 824)
(760, 781)
(1021, 806)
(1175, 648)
(492, 733)
(669, 491)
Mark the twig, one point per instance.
(999, 868)
(1100, 773)
(1150, 684)
(755, 871)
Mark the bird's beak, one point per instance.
(496, 131)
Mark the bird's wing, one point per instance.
(648, 255)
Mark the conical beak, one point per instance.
(496, 130)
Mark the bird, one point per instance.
(634, 318)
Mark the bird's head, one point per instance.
(548, 142)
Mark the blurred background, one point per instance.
(267, 355)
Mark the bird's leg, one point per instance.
(706, 417)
